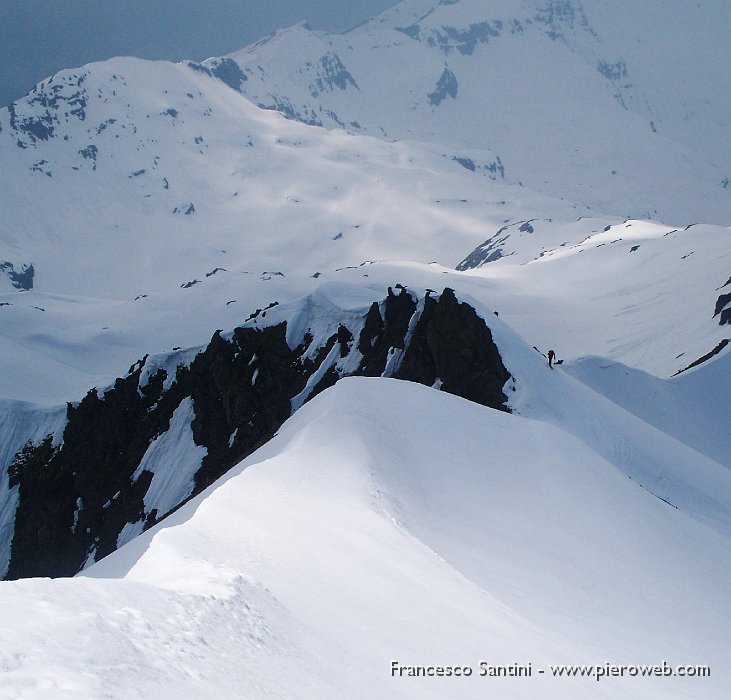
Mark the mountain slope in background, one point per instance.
(199, 204)
(38, 38)
(620, 108)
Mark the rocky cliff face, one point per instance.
(134, 452)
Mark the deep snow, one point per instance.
(374, 528)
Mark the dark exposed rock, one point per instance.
(199, 68)
(186, 209)
(413, 32)
(559, 15)
(486, 252)
(707, 356)
(453, 345)
(20, 279)
(229, 72)
(90, 152)
(74, 501)
(465, 163)
(613, 71)
(46, 107)
(495, 170)
(446, 86)
(464, 40)
(283, 105)
(721, 303)
(331, 74)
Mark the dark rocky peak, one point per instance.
(119, 467)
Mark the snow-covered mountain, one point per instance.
(189, 280)
(149, 204)
(621, 108)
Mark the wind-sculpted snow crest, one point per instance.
(372, 530)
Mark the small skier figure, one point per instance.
(551, 357)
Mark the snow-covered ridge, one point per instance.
(226, 398)
(605, 288)
(149, 204)
(342, 543)
(131, 453)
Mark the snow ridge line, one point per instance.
(239, 390)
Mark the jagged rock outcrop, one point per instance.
(711, 353)
(486, 252)
(120, 467)
(723, 307)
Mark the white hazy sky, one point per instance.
(40, 37)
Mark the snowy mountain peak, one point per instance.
(570, 105)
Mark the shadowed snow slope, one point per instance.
(372, 529)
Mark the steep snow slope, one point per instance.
(620, 109)
(372, 529)
(691, 407)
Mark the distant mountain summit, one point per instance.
(617, 107)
